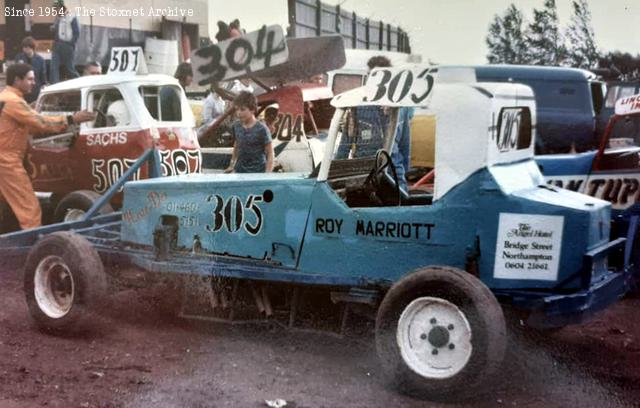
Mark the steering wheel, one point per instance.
(382, 162)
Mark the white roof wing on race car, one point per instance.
(628, 106)
(237, 57)
(482, 125)
(392, 87)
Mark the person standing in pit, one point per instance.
(66, 32)
(252, 146)
(29, 56)
(17, 121)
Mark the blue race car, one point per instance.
(435, 266)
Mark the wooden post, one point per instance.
(368, 34)
(318, 18)
(292, 30)
(389, 37)
(354, 30)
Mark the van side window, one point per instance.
(110, 107)
(163, 102)
(616, 92)
(597, 94)
(345, 82)
(564, 96)
(60, 103)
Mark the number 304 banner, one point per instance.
(240, 56)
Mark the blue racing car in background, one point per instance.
(611, 173)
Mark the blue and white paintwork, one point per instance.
(610, 173)
(538, 247)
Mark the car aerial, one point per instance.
(611, 173)
(134, 112)
(434, 267)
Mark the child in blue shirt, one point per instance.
(252, 146)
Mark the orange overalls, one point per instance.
(17, 121)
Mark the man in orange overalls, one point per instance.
(17, 121)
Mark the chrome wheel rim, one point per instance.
(74, 214)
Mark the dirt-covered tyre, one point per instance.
(64, 280)
(440, 334)
(74, 206)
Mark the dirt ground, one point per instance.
(132, 356)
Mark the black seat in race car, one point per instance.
(387, 193)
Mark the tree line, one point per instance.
(513, 40)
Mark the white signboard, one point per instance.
(399, 87)
(127, 60)
(528, 247)
(239, 56)
(628, 106)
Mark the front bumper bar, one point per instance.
(600, 290)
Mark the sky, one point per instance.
(448, 31)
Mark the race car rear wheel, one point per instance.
(63, 279)
(75, 205)
(440, 334)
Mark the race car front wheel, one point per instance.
(440, 334)
(75, 205)
(63, 280)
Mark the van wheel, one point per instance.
(75, 205)
(440, 334)
(63, 278)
